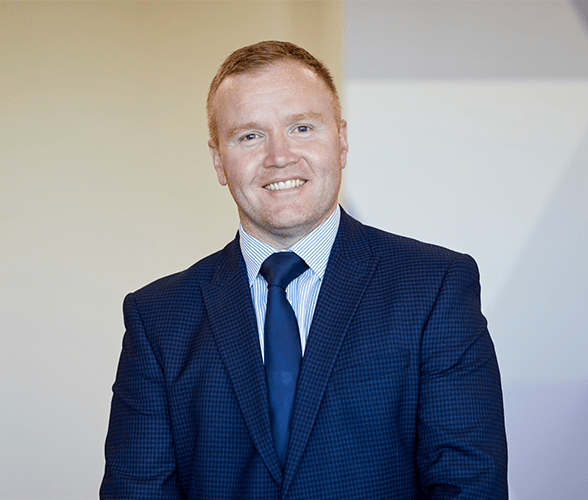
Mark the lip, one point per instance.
(285, 184)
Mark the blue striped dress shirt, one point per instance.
(302, 293)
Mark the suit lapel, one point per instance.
(232, 317)
(350, 269)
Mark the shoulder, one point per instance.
(186, 285)
(401, 252)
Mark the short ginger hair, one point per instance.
(260, 55)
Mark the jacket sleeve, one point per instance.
(140, 462)
(461, 451)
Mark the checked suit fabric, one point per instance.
(398, 393)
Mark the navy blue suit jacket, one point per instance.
(398, 397)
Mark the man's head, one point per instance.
(257, 56)
(280, 146)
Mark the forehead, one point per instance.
(281, 82)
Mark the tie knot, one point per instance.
(281, 268)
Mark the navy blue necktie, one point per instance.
(282, 352)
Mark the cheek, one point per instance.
(239, 178)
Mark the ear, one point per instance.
(217, 163)
(343, 146)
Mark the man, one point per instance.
(390, 388)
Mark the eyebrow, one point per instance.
(306, 116)
(246, 126)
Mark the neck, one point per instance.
(282, 239)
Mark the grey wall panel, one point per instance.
(470, 39)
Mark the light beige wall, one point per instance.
(106, 184)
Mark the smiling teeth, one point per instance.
(276, 186)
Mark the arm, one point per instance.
(140, 461)
(461, 439)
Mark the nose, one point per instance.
(279, 151)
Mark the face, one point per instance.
(281, 150)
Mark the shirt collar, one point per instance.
(314, 248)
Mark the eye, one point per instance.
(248, 137)
(302, 128)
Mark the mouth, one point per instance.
(289, 184)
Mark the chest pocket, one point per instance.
(378, 367)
